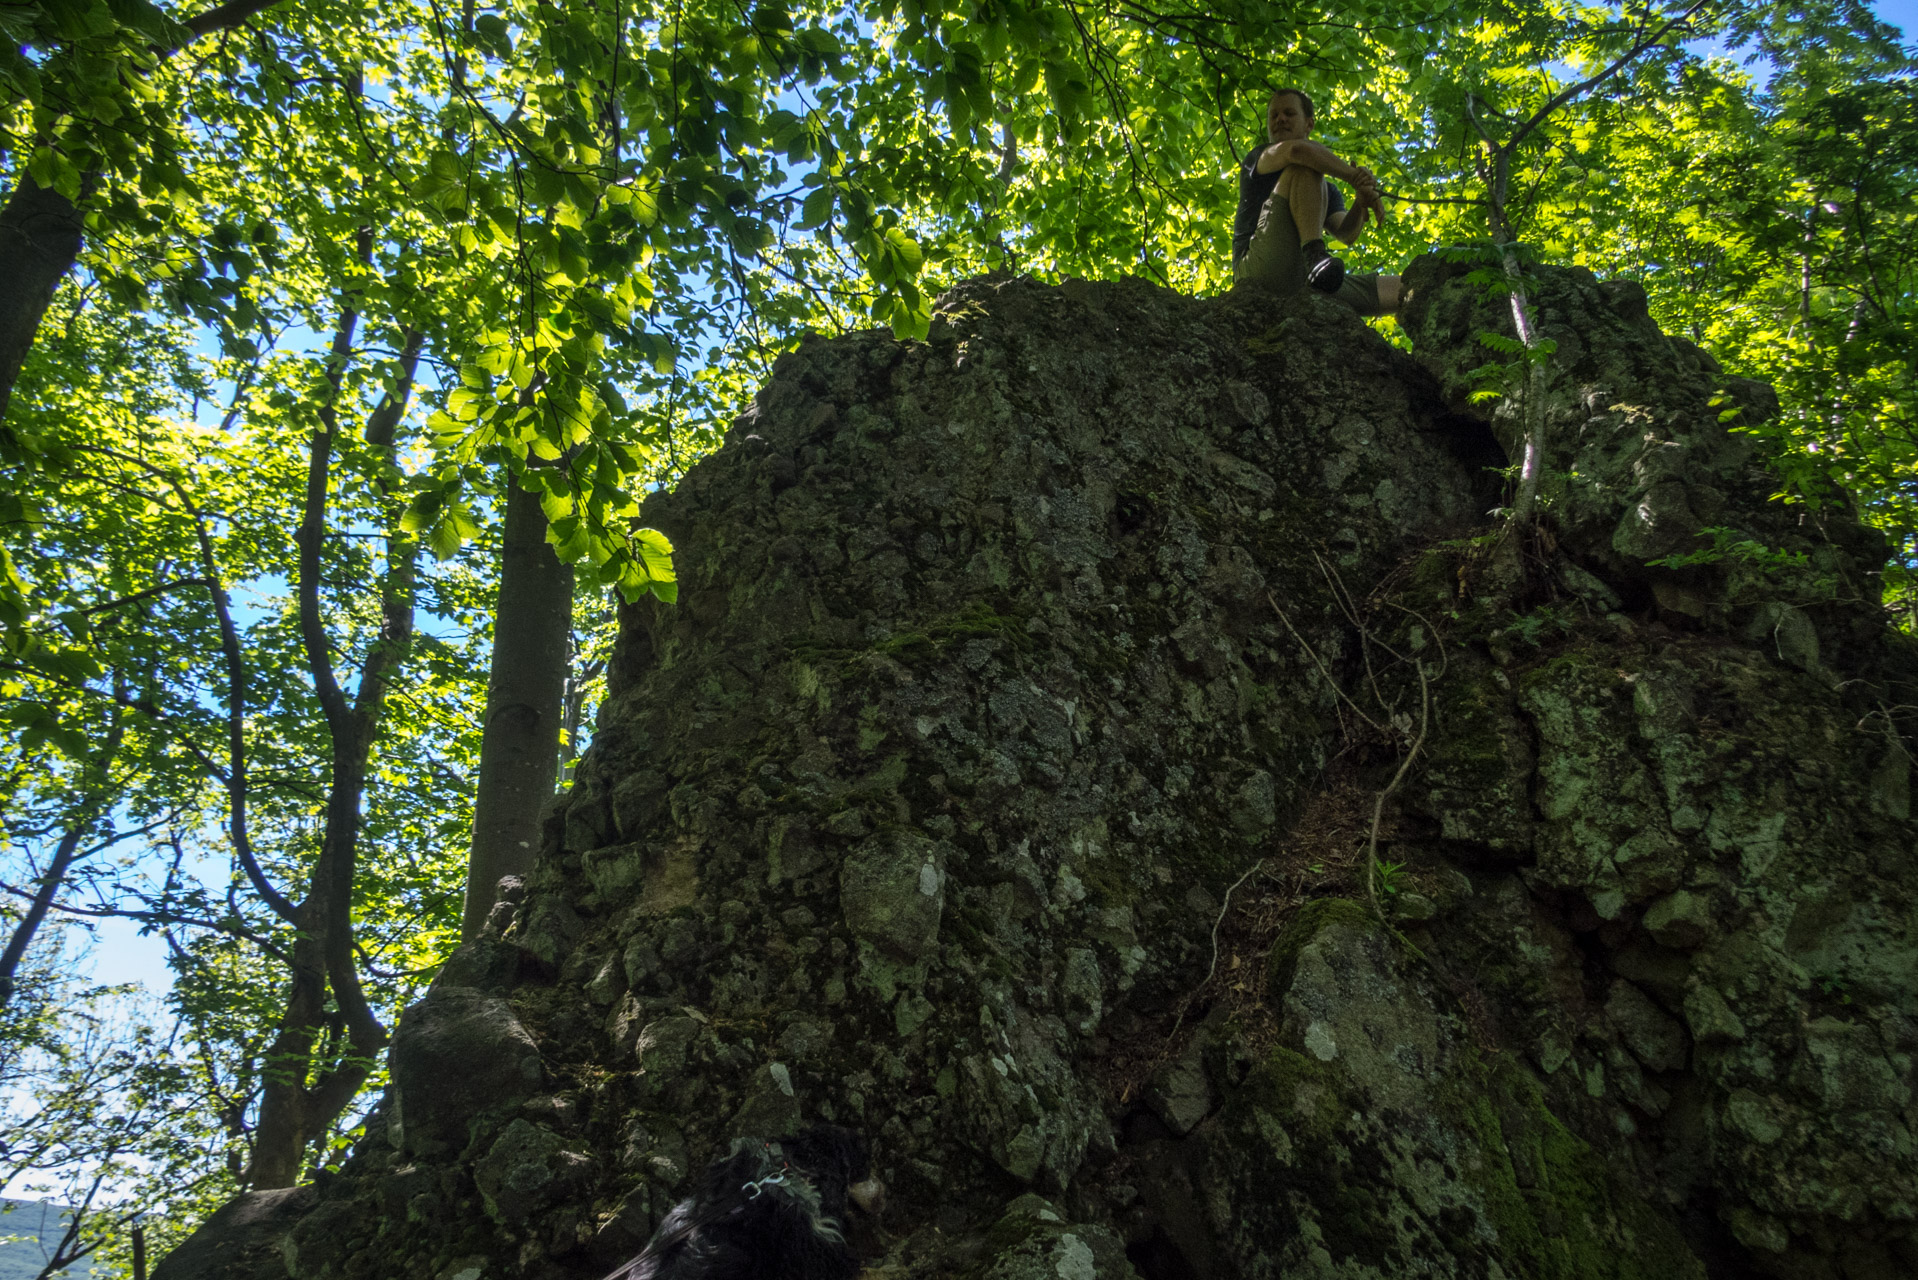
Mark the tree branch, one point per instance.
(38, 903)
(1572, 91)
(141, 705)
(138, 596)
(221, 17)
(312, 531)
(156, 917)
(383, 660)
(234, 776)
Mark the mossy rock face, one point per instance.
(1033, 1241)
(1377, 1139)
(976, 704)
(1639, 466)
(1713, 958)
(989, 680)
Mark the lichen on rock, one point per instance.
(1004, 666)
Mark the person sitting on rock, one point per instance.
(1286, 204)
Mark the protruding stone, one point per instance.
(1082, 989)
(456, 1054)
(1711, 1019)
(1413, 908)
(1787, 633)
(1654, 1036)
(770, 1109)
(527, 1169)
(661, 1048)
(243, 1240)
(1179, 1093)
(892, 889)
(1681, 920)
(1034, 1241)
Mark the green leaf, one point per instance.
(655, 555)
(903, 249)
(816, 211)
(423, 511)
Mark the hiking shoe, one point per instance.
(1322, 271)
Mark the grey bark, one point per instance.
(50, 883)
(297, 1102)
(68, 853)
(519, 749)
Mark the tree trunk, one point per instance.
(94, 801)
(41, 230)
(1532, 402)
(39, 241)
(279, 1140)
(296, 1103)
(519, 751)
(50, 883)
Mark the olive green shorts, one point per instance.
(1273, 258)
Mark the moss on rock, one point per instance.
(1378, 1138)
(920, 811)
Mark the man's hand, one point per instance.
(1366, 203)
(1365, 188)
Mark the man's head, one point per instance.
(1288, 116)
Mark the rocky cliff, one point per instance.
(1108, 755)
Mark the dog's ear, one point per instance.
(858, 1157)
(831, 1150)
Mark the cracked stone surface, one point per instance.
(987, 685)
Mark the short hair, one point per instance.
(1305, 100)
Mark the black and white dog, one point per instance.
(768, 1211)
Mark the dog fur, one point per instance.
(770, 1210)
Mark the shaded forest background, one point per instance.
(339, 343)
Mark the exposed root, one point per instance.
(1320, 856)
(1333, 850)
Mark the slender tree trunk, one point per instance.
(1532, 406)
(1804, 263)
(578, 680)
(303, 1090)
(29, 925)
(1501, 153)
(1532, 390)
(64, 857)
(519, 746)
(40, 233)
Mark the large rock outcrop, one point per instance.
(1004, 786)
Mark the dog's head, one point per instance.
(837, 1162)
(770, 1207)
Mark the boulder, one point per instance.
(457, 1053)
(1001, 787)
(1377, 1137)
(243, 1240)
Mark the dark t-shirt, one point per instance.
(1254, 187)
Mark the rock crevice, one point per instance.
(992, 789)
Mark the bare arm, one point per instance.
(1310, 155)
(1366, 203)
(1347, 224)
